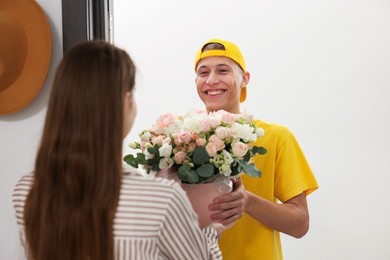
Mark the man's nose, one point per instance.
(212, 79)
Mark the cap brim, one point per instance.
(243, 95)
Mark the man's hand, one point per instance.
(231, 205)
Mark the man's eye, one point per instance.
(203, 73)
(222, 71)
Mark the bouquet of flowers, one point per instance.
(200, 145)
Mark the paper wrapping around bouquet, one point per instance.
(202, 195)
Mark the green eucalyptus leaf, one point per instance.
(259, 149)
(141, 158)
(240, 167)
(205, 170)
(151, 162)
(203, 179)
(155, 168)
(130, 160)
(152, 150)
(247, 156)
(200, 156)
(193, 177)
(235, 170)
(183, 172)
(251, 170)
(128, 157)
(182, 178)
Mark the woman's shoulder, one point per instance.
(160, 192)
(20, 193)
(24, 184)
(135, 179)
(26, 178)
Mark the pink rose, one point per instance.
(239, 149)
(223, 132)
(179, 157)
(166, 140)
(205, 125)
(199, 111)
(229, 118)
(217, 142)
(191, 147)
(200, 142)
(166, 119)
(226, 117)
(163, 122)
(182, 137)
(214, 122)
(211, 149)
(158, 139)
(195, 135)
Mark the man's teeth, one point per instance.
(215, 92)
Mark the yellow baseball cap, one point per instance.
(231, 51)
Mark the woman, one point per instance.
(78, 203)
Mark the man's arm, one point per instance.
(291, 217)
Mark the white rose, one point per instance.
(148, 155)
(173, 127)
(247, 117)
(227, 157)
(145, 135)
(133, 145)
(225, 170)
(165, 163)
(192, 124)
(259, 132)
(245, 132)
(165, 150)
(214, 122)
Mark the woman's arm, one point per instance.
(181, 236)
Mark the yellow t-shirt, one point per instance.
(285, 174)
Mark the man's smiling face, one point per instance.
(218, 82)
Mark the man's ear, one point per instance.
(245, 78)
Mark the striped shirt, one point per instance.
(154, 220)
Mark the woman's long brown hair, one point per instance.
(70, 208)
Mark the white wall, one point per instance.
(320, 67)
(19, 137)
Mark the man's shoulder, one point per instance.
(273, 128)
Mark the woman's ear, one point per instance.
(130, 113)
